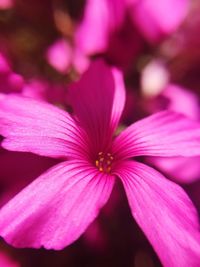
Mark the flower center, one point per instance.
(104, 162)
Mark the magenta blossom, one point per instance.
(6, 4)
(157, 19)
(9, 80)
(59, 55)
(57, 207)
(178, 99)
(110, 27)
(115, 34)
(7, 261)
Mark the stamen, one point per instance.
(104, 162)
(97, 163)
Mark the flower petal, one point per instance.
(163, 134)
(57, 207)
(98, 100)
(38, 127)
(165, 214)
(92, 36)
(182, 100)
(179, 169)
(156, 19)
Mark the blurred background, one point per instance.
(46, 45)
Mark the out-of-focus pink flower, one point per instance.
(6, 261)
(36, 88)
(179, 99)
(182, 170)
(106, 28)
(42, 89)
(56, 208)
(110, 27)
(4, 65)
(59, 55)
(5, 4)
(100, 19)
(185, 44)
(182, 100)
(9, 80)
(81, 62)
(157, 19)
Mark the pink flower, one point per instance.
(157, 19)
(110, 27)
(5, 4)
(7, 261)
(182, 100)
(9, 80)
(37, 88)
(59, 55)
(91, 34)
(106, 28)
(179, 99)
(57, 207)
(42, 89)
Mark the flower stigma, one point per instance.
(104, 162)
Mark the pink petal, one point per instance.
(165, 214)
(100, 18)
(57, 207)
(163, 134)
(4, 65)
(91, 33)
(6, 260)
(59, 55)
(182, 100)
(98, 100)
(156, 19)
(180, 169)
(4, 4)
(38, 127)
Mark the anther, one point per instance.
(97, 163)
(104, 162)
